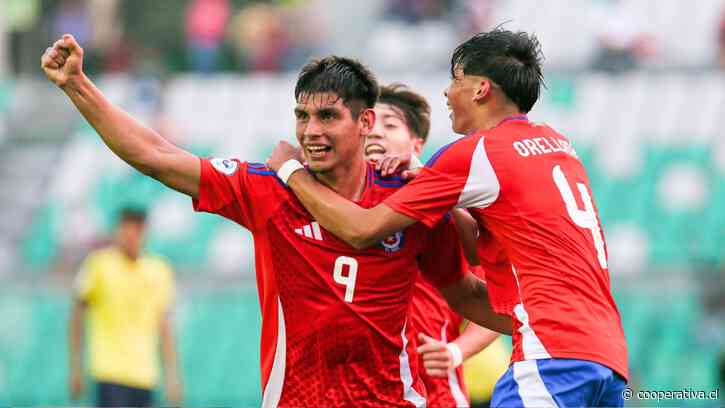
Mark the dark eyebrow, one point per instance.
(328, 111)
(299, 111)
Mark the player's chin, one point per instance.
(319, 166)
(457, 127)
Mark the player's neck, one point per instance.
(127, 252)
(347, 180)
(489, 118)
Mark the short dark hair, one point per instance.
(413, 106)
(132, 214)
(346, 77)
(510, 59)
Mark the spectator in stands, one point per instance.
(623, 44)
(206, 24)
(415, 11)
(127, 297)
(721, 42)
(271, 38)
(260, 37)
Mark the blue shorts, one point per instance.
(557, 382)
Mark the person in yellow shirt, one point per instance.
(125, 299)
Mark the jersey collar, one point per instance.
(513, 117)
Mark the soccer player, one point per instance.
(127, 296)
(334, 319)
(401, 127)
(523, 182)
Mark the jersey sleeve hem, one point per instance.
(200, 202)
(427, 220)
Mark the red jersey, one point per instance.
(334, 319)
(524, 184)
(431, 315)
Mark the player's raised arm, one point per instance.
(136, 144)
(355, 225)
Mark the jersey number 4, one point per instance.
(346, 279)
(585, 218)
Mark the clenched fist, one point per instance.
(63, 60)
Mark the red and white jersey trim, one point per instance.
(482, 186)
(531, 345)
(273, 389)
(409, 393)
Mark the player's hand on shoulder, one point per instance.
(410, 174)
(63, 60)
(282, 152)
(393, 163)
(437, 360)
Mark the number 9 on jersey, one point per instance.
(346, 279)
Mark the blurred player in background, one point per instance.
(525, 185)
(127, 298)
(334, 319)
(402, 123)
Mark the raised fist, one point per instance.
(63, 60)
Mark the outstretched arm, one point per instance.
(136, 144)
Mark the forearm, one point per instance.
(136, 144)
(469, 297)
(168, 351)
(75, 339)
(474, 339)
(468, 233)
(353, 224)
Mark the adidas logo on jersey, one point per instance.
(311, 230)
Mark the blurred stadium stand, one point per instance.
(650, 136)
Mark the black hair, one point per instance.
(132, 214)
(345, 77)
(413, 106)
(510, 59)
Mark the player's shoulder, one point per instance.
(103, 254)
(258, 174)
(157, 261)
(457, 150)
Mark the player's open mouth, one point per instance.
(374, 149)
(317, 151)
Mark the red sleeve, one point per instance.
(243, 192)
(442, 262)
(437, 189)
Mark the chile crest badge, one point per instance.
(393, 243)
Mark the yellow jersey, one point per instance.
(126, 302)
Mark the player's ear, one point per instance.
(417, 146)
(481, 89)
(367, 121)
